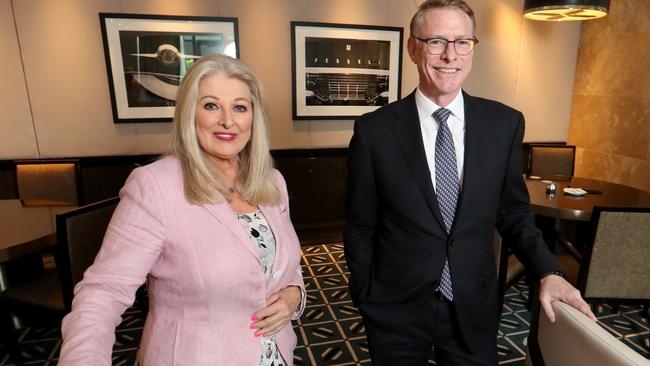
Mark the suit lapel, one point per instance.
(228, 218)
(409, 136)
(272, 216)
(472, 158)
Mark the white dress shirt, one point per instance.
(429, 127)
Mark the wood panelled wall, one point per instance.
(315, 179)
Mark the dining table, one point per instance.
(24, 231)
(560, 205)
(569, 216)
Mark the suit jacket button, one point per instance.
(450, 243)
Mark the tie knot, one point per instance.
(441, 114)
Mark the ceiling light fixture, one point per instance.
(564, 10)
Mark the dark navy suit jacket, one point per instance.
(395, 241)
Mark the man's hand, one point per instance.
(278, 311)
(554, 287)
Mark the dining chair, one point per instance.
(551, 160)
(616, 266)
(48, 182)
(509, 269)
(46, 298)
(613, 268)
(574, 339)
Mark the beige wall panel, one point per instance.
(610, 121)
(347, 12)
(66, 77)
(613, 168)
(69, 93)
(611, 125)
(265, 34)
(641, 86)
(16, 128)
(153, 138)
(609, 64)
(613, 52)
(330, 133)
(546, 76)
(170, 7)
(496, 57)
(398, 14)
(625, 16)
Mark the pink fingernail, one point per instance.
(253, 326)
(253, 318)
(257, 334)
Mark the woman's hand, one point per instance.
(278, 311)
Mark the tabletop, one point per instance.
(563, 206)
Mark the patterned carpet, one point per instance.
(331, 332)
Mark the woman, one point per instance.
(209, 228)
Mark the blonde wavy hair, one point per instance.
(255, 182)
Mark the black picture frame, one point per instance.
(147, 56)
(341, 71)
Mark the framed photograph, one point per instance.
(341, 71)
(148, 55)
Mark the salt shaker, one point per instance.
(550, 188)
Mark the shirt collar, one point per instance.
(426, 106)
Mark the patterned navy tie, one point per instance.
(447, 187)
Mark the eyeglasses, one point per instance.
(437, 46)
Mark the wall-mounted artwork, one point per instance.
(341, 71)
(148, 55)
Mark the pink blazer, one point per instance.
(204, 278)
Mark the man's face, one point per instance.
(441, 76)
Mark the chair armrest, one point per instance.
(574, 339)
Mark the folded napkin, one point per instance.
(578, 192)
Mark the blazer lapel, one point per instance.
(409, 136)
(473, 137)
(272, 216)
(228, 218)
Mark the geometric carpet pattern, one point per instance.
(331, 332)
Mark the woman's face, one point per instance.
(224, 116)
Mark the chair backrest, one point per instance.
(574, 339)
(497, 247)
(48, 183)
(617, 265)
(80, 233)
(551, 160)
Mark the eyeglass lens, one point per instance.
(437, 46)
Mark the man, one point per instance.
(430, 177)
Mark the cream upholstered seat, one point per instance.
(613, 269)
(48, 183)
(574, 340)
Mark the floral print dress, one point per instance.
(263, 240)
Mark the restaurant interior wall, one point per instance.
(610, 120)
(55, 96)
